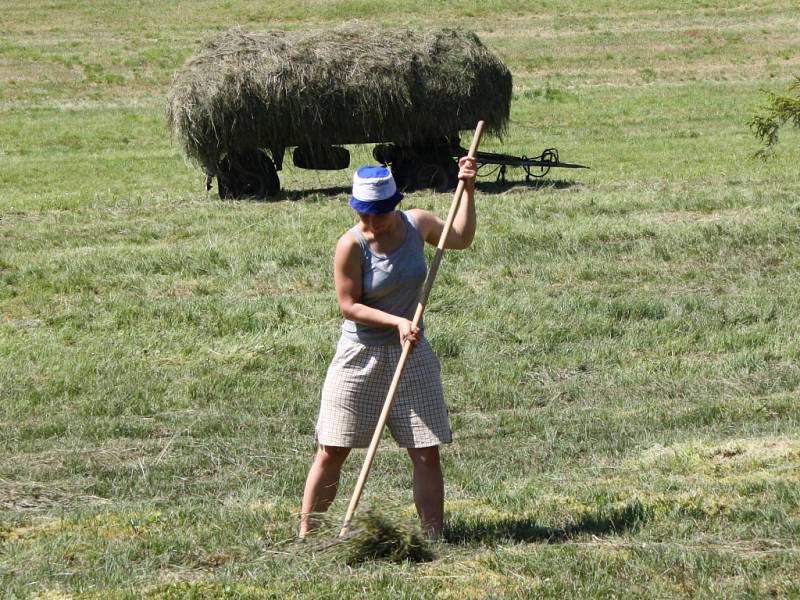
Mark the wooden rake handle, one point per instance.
(426, 290)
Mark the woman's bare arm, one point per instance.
(462, 231)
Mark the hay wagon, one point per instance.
(244, 98)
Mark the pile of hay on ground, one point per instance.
(355, 83)
(376, 536)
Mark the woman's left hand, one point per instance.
(468, 170)
(408, 332)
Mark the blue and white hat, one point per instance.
(374, 191)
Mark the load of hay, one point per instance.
(355, 83)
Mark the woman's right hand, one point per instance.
(408, 332)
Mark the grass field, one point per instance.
(619, 346)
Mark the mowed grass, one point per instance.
(619, 346)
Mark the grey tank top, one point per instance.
(389, 283)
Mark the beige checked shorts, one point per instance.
(355, 389)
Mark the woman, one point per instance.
(379, 269)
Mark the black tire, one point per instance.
(250, 175)
(436, 177)
(437, 172)
(386, 153)
(401, 171)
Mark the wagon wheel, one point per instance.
(437, 176)
(250, 175)
(437, 172)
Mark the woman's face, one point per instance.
(377, 223)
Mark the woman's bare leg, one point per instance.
(428, 488)
(321, 484)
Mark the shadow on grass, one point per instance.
(310, 195)
(603, 520)
(501, 187)
(484, 187)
